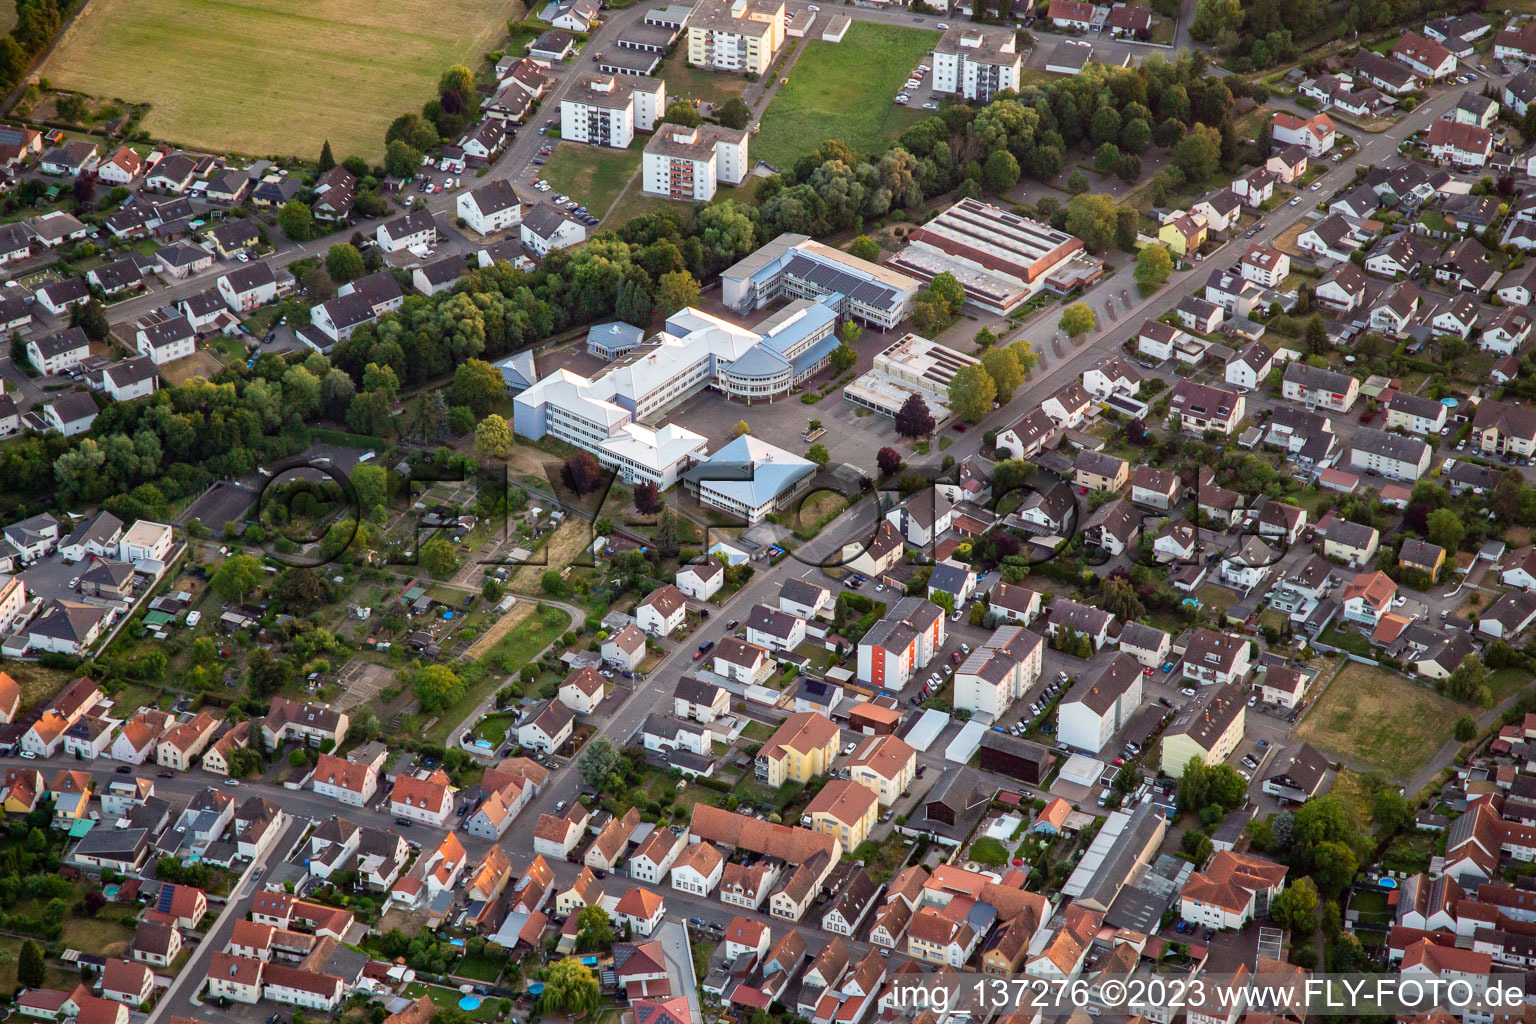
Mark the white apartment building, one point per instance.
(607, 110)
(690, 163)
(976, 62)
(736, 35)
(492, 207)
(999, 672)
(1096, 707)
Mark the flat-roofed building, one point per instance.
(913, 365)
(690, 163)
(736, 35)
(1000, 258)
(607, 110)
(976, 62)
(797, 267)
(694, 351)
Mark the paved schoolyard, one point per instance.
(222, 503)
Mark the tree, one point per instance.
(1466, 728)
(741, 428)
(1094, 219)
(865, 248)
(1077, 183)
(493, 438)
(1077, 319)
(1446, 529)
(843, 357)
(297, 222)
(1391, 810)
(594, 931)
(1316, 337)
(599, 764)
(477, 384)
(299, 587)
(569, 988)
(1002, 365)
(914, 419)
(1001, 171)
(582, 473)
(344, 263)
(850, 331)
(818, 454)
(1469, 681)
(1296, 908)
(682, 112)
(889, 461)
(1106, 159)
(677, 290)
(1118, 597)
(492, 590)
(1334, 867)
(1136, 135)
(327, 160)
(647, 498)
(1153, 266)
(91, 319)
(734, 113)
(971, 393)
(401, 159)
(436, 688)
(31, 972)
(1198, 154)
(439, 557)
(236, 578)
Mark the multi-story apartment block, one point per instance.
(736, 35)
(607, 110)
(976, 62)
(999, 672)
(689, 163)
(801, 749)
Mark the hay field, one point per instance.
(266, 77)
(1377, 720)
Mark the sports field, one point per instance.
(266, 77)
(844, 91)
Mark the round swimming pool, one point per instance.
(469, 1004)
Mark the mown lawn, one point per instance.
(845, 91)
(269, 76)
(511, 652)
(593, 175)
(685, 82)
(1374, 718)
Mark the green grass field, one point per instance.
(686, 82)
(1380, 720)
(844, 91)
(269, 77)
(595, 175)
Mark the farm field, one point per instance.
(1378, 720)
(265, 77)
(593, 175)
(844, 91)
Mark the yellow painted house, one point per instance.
(1183, 233)
(802, 749)
(1211, 735)
(1421, 555)
(844, 810)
